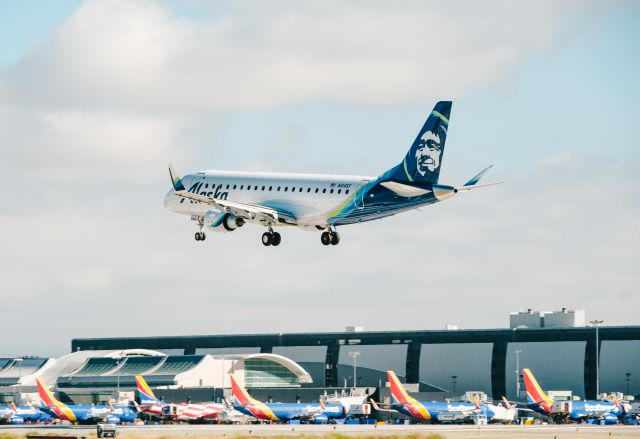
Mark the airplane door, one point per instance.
(360, 194)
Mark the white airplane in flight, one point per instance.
(223, 201)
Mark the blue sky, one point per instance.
(96, 98)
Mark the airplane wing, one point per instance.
(249, 212)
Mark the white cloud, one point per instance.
(137, 55)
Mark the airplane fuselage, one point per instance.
(91, 413)
(435, 409)
(585, 410)
(282, 411)
(312, 199)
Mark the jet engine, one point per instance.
(222, 222)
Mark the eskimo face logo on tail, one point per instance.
(428, 153)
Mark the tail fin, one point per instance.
(422, 162)
(145, 392)
(535, 394)
(49, 400)
(398, 391)
(45, 394)
(240, 393)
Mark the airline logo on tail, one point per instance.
(401, 397)
(535, 394)
(255, 407)
(60, 409)
(146, 394)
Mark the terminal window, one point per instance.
(259, 372)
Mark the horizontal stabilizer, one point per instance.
(476, 186)
(404, 190)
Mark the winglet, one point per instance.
(476, 403)
(322, 406)
(507, 404)
(13, 406)
(477, 178)
(175, 179)
(374, 404)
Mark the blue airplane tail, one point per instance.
(422, 162)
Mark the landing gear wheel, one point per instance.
(200, 236)
(267, 239)
(325, 238)
(276, 239)
(335, 238)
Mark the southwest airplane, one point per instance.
(82, 414)
(430, 411)
(318, 413)
(187, 412)
(20, 414)
(223, 201)
(538, 400)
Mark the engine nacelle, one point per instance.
(222, 222)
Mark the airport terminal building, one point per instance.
(556, 346)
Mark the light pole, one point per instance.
(453, 381)
(518, 375)
(597, 325)
(18, 361)
(354, 355)
(628, 380)
(118, 381)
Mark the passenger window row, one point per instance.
(278, 188)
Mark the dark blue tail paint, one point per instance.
(422, 162)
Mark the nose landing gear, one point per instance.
(200, 236)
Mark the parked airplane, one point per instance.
(278, 411)
(433, 411)
(186, 412)
(538, 400)
(20, 414)
(82, 414)
(223, 201)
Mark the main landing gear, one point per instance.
(271, 238)
(330, 237)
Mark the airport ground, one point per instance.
(337, 432)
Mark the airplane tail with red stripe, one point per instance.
(239, 392)
(49, 400)
(535, 394)
(398, 392)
